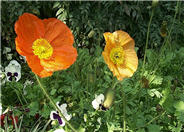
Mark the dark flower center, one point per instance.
(57, 117)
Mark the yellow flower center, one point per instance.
(42, 48)
(117, 55)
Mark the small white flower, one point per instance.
(13, 70)
(54, 115)
(6, 50)
(98, 101)
(59, 130)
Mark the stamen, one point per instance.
(42, 48)
(117, 55)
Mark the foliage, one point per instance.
(154, 95)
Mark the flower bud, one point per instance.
(154, 3)
(109, 99)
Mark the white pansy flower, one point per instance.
(54, 115)
(64, 111)
(98, 101)
(59, 130)
(13, 71)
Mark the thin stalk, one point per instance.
(147, 38)
(124, 112)
(167, 39)
(52, 102)
(114, 85)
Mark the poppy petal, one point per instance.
(28, 28)
(122, 38)
(62, 58)
(57, 33)
(34, 64)
(130, 63)
(110, 64)
(131, 60)
(124, 73)
(22, 50)
(110, 42)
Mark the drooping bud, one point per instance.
(163, 29)
(109, 98)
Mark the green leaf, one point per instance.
(53, 91)
(179, 106)
(153, 128)
(34, 108)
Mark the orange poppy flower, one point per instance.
(47, 44)
(119, 54)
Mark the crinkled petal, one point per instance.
(57, 33)
(131, 60)
(110, 42)
(34, 64)
(110, 64)
(62, 58)
(28, 28)
(122, 38)
(124, 73)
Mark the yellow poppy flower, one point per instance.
(119, 54)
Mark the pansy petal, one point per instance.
(52, 115)
(55, 116)
(63, 58)
(28, 28)
(57, 33)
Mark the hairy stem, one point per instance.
(54, 105)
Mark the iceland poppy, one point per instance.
(119, 54)
(47, 44)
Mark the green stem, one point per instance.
(147, 38)
(167, 39)
(124, 112)
(114, 85)
(52, 102)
